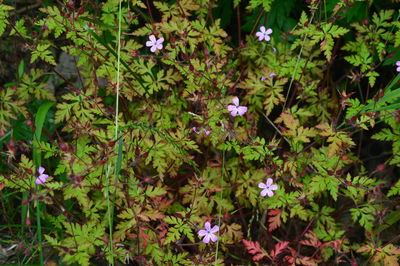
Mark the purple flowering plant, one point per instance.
(208, 233)
(42, 176)
(263, 34)
(133, 176)
(236, 109)
(268, 188)
(155, 44)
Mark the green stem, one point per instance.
(219, 205)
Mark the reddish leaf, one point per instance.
(312, 240)
(252, 247)
(258, 257)
(274, 219)
(279, 248)
(255, 249)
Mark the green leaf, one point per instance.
(44, 54)
(3, 17)
(39, 121)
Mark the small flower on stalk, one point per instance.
(236, 109)
(398, 66)
(264, 34)
(207, 132)
(268, 188)
(195, 130)
(208, 233)
(42, 177)
(154, 43)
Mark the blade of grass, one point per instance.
(110, 208)
(388, 95)
(39, 122)
(100, 40)
(219, 207)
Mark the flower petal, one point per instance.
(206, 239)
(262, 29)
(41, 179)
(269, 31)
(152, 38)
(214, 229)
(159, 46)
(242, 110)
(267, 38)
(213, 237)
(273, 187)
(234, 112)
(202, 232)
(41, 170)
(149, 43)
(235, 101)
(207, 226)
(231, 108)
(262, 185)
(398, 63)
(398, 69)
(269, 182)
(160, 41)
(153, 48)
(264, 192)
(270, 193)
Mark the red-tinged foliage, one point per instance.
(279, 248)
(255, 249)
(296, 259)
(274, 221)
(312, 240)
(143, 236)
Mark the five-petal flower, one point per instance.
(208, 233)
(236, 109)
(268, 188)
(42, 177)
(154, 43)
(264, 34)
(398, 66)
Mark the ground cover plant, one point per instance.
(199, 132)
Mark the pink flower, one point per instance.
(236, 109)
(207, 132)
(195, 130)
(272, 75)
(398, 66)
(268, 188)
(262, 78)
(42, 177)
(208, 233)
(154, 43)
(264, 34)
